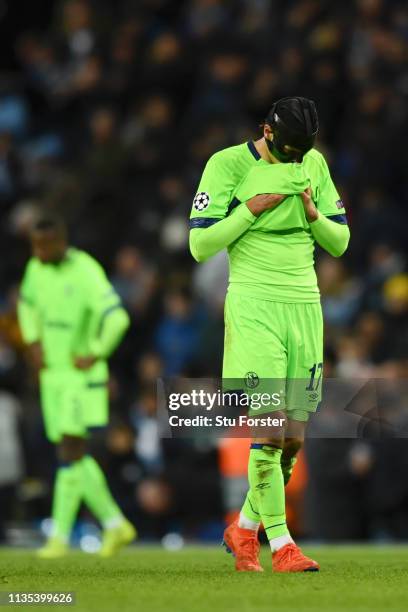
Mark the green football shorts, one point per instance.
(275, 349)
(71, 404)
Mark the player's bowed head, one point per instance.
(290, 129)
(289, 132)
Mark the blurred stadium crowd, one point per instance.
(108, 113)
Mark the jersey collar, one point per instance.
(253, 150)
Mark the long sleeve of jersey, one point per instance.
(206, 242)
(28, 321)
(331, 236)
(112, 327)
(110, 319)
(28, 318)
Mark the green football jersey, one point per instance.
(63, 306)
(274, 258)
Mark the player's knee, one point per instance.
(292, 446)
(71, 448)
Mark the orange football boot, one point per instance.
(244, 545)
(290, 558)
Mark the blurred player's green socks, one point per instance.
(267, 486)
(66, 499)
(78, 481)
(97, 496)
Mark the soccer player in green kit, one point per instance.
(72, 320)
(268, 202)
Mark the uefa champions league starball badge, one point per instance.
(201, 201)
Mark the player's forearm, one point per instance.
(332, 237)
(28, 322)
(206, 242)
(112, 329)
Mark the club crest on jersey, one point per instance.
(201, 201)
(339, 204)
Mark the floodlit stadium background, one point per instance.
(108, 112)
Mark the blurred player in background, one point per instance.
(268, 202)
(72, 320)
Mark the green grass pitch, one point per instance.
(353, 579)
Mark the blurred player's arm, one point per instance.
(113, 325)
(28, 315)
(110, 318)
(211, 228)
(326, 215)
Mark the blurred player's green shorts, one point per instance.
(275, 349)
(71, 404)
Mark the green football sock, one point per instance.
(287, 468)
(266, 482)
(66, 499)
(96, 494)
(250, 508)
